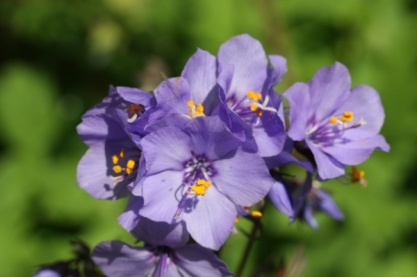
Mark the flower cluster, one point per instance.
(205, 148)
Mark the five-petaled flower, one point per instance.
(337, 124)
(199, 174)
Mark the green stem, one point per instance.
(247, 250)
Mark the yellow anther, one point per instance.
(236, 219)
(254, 96)
(199, 190)
(358, 176)
(204, 183)
(122, 153)
(251, 94)
(253, 107)
(191, 103)
(199, 110)
(347, 116)
(333, 120)
(117, 168)
(256, 214)
(201, 186)
(115, 159)
(130, 164)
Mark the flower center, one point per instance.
(122, 166)
(195, 110)
(200, 187)
(331, 130)
(198, 172)
(134, 111)
(251, 108)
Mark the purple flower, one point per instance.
(309, 198)
(157, 259)
(192, 95)
(47, 273)
(111, 162)
(238, 90)
(249, 106)
(198, 174)
(337, 124)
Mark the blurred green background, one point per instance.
(57, 59)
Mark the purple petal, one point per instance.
(161, 233)
(200, 73)
(308, 216)
(279, 68)
(98, 128)
(118, 259)
(165, 149)
(224, 80)
(326, 204)
(94, 173)
(327, 166)
(107, 105)
(212, 219)
(281, 198)
(137, 96)
(299, 98)
(356, 152)
(162, 193)
(270, 137)
(329, 88)
(210, 137)
(173, 94)
(47, 273)
(365, 104)
(249, 72)
(193, 259)
(243, 178)
(130, 217)
(243, 132)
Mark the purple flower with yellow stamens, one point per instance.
(164, 254)
(111, 162)
(199, 174)
(339, 126)
(193, 94)
(249, 106)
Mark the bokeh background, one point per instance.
(57, 59)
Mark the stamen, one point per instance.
(254, 107)
(200, 109)
(258, 107)
(194, 110)
(132, 119)
(347, 116)
(115, 159)
(236, 219)
(358, 176)
(333, 120)
(256, 214)
(130, 166)
(190, 104)
(117, 168)
(254, 96)
(201, 186)
(134, 111)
